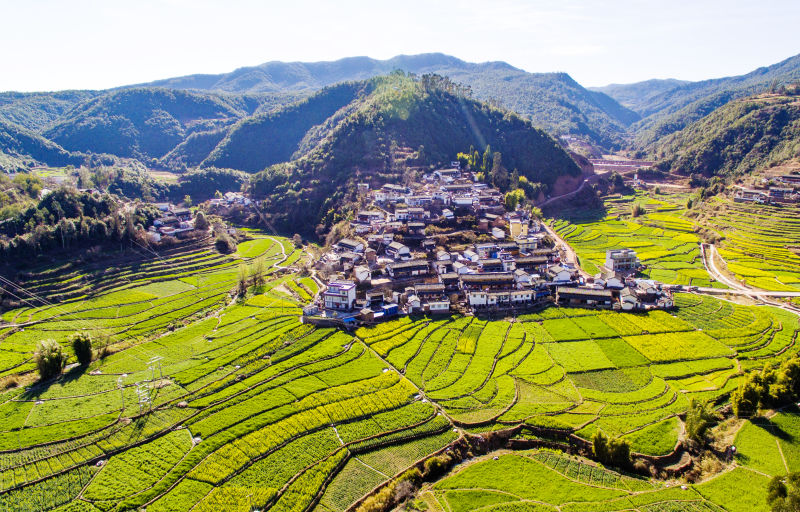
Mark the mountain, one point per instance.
(637, 96)
(741, 136)
(676, 108)
(552, 101)
(20, 148)
(393, 124)
(37, 111)
(145, 123)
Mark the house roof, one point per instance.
(411, 264)
(449, 277)
(531, 260)
(429, 287)
(490, 261)
(348, 242)
(500, 277)
(397, 246)
(583, 293)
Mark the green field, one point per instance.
(761, 244)
(208, 403)
(542, 480)
(663, 238)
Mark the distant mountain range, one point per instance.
(197, 120)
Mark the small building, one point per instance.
(429, 291)
(340, 295)
(404, 270)
(491, 265)
(447, 214)
(487, 282)
(349, 245)
(573, 296)
(450, 282)
(362, 273)
(621, 260)
(437, 306)
(559, 274)
(398, 251)
(370, 216)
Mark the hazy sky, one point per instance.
(94, 44)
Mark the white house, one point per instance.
(340, 295)
(362, 273)
(439, 306)
(398, 251)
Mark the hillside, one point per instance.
(20, 146)
(676, 108)
(741, 136)
(146, 123)
(637, 96)
(432, 118)
(553, 101)
(265, 139)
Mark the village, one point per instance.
(449, 244)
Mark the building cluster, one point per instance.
(787, 190)
(390, 267)
(172, 221)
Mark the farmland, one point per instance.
(760, 242)
(543, 481)
(663, 238)
(203, 402)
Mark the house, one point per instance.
(450, 282)
(362, 273)
(559, 274)
(404, 270)
(418, 200)
(401, 214)
(416, 214)
(414, 303)
(463, 201)
(429, 291)
(416, 228)
(621, 260)
(428, 245)
(522, 278)
(447, 173)
(363, 188)
(340, 295)
(487, 282)
(370, 216)
(371, 255)
(744, 195)
(470, 255)
(349, 258)
(498, 233)
(183, 214)
(491, 265)
(443, 266)
(437, 307)
(349, 245)
(447, 214)
(527, 243)
(780, 193)
(443, 256)
(398, 251)
(572, 296)
(534, 264)
(486, 250)
(628, 299)
(460, 268)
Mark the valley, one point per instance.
(408, 284)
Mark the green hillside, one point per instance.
(21, 146)
(382, 131)
(265, 139)
(145, 123)
(739, 137)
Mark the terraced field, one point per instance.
(208, 403)
(761, 244)
(663, 239)
(544, 481)
(583, 370)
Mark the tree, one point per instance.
(49, 358)
(600, 446)
(297, 240)
(536, 213)
(699, 418)
(513, 198)
(487, 159)
(746, 397)
(783, 493)
(241, 287)
(200, 222)
(82, 347)
(187, 200)
(499, 174)
(217, 195)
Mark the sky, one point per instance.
(96, 44)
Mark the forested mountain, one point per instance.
(145, 123)
(20, 145)
(37, 111)
(637, 96)
(394, 123)
(553, 101)
(739, 137)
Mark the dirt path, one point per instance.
(571, 256)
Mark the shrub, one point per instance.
(297, 240)
(224, 243)
(699, 417)
(614, 451)
(436, 466)
(82, 347)
(200, 222)
(49, 359)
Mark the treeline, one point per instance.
(67, 219)
(768, 388)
